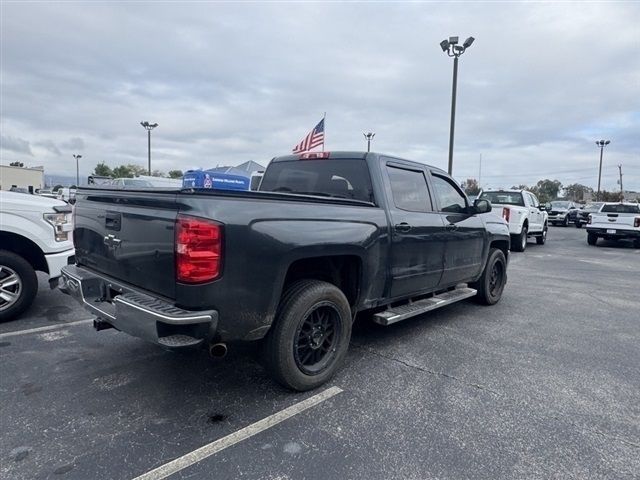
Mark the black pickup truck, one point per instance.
(327, 236)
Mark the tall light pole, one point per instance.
(452, 49)
(148, 127)
(77, 157)
(601, 144)
(369, 136)
(620, 182)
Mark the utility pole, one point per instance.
(621, 189)
(148, 127)
(452, 49)
(77, 157)
(601, 144)
(369, 136)
(480, 171)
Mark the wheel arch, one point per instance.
(26, 248)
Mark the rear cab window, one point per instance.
(504, 198)
(337, 178)
(620, 208)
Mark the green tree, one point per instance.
(547, 190)
(175, 174)
(103, 170)
(471, 187)
(122, 171)
(610, 196)
(577, 191)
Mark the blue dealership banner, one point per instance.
(214, 180)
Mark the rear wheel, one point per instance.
(542, 239)
(310, 336)
(592, 238)
(18, 285)
(494, 277)
(578, 225)
(519, 242)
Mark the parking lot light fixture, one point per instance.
(600, 144)
(77, 157)
(369, 136)
(452, 49)
(148, 127)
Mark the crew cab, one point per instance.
(524, 214)
(615, 221)
(327, 237)
(35, 235)
(562, 212)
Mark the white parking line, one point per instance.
(206, 451)
(44, 329)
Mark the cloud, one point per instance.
(15, 144)
(49, 146)
(75, 143)
(540, 84)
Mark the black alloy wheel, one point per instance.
(316, 338)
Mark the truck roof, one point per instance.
(354, 155)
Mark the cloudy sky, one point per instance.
(234, 82)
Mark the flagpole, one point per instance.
(324, 117)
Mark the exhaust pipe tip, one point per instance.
(218, 350)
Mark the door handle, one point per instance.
(402, 227)
(452, 227)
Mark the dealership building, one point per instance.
(31, 178)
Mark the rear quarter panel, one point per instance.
(263, 238)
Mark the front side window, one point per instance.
(409, 189)
(449, 197)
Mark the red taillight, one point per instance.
(314, 155)
(506, 214)
(636, 222)
(589, 220)
(198, 249)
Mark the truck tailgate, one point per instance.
(128, 235)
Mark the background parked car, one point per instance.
(562, 212)
(35, 234)
(582, 217)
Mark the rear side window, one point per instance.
(620, 208)
(449, 197)
(409, 189)
(338, 178)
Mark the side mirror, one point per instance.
(481, 205)
(542, 208)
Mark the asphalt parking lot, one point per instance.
(546, 384)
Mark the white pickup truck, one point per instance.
(524, 214)
(615, 221)
(35, 234)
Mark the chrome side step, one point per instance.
(402, 312)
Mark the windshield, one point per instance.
(620, 208)
(339, 178)
(504, 198)
(559, 204)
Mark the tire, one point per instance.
(636, 243)
(494, 277)
(519, 242)
(18, 285)
(578, 225)
(542, 239)
(289, 354)
(592, 238)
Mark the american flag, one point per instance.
(315, 138)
